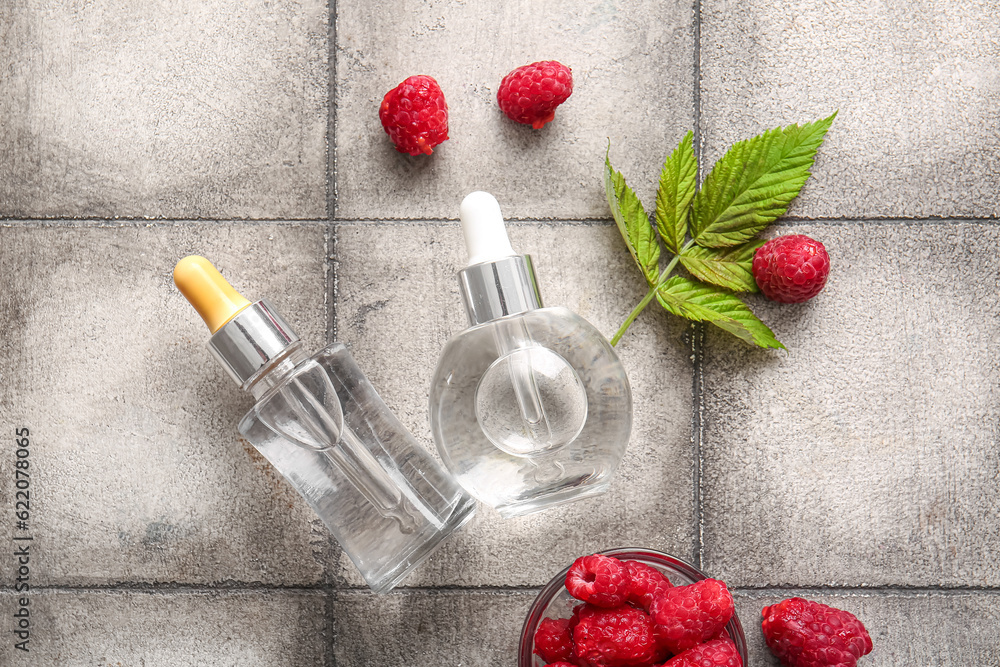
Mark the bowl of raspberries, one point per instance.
(632, 608)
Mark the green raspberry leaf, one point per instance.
(725, 267)
(703, 303)
(673, 197)
(754, 182)
(633, 223)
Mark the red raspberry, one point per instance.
(415, 115)
(530, 94)
(575, 618)
(689, 615)
(560, 664)
(553, 640)
(809, 634)
(791, 269)
(621, 637)
(646, 583)
(715, 653)
(600, 580)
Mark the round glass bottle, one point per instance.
(530, 407)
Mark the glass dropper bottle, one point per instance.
(530, 406)
(320, 422)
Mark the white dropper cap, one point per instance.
(485, 234)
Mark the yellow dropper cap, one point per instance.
(211, 295)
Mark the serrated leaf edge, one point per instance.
(701, 313)
(693, 264)
(676, 190)
(733, 166)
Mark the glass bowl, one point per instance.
(555, 601)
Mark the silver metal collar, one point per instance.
(251, 340)
(498, 289)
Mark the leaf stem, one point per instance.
(649, 296)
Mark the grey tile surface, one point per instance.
(907, 628)
(196, 629)
(428, 629)
(138, 473)
(398, 304)
(633, 69)
(860, 468)
(917, 86)
(163, 109)
(866, 454)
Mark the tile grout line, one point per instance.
(330, 279)
(329, 618)
(697, 86)
(785, 221)
(445, 590)
(697, 340)
(453, 222)
(330, 590)
(873, 591)
(330, 265)
(333, 261)
(331, 121)
(697, 329)
(173, 587)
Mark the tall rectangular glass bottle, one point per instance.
(320, 422)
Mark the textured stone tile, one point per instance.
(916, 83)
(398, 304)
(179, 629)
(633, 83)
(936, 628)
(866, 454)
(138, 473)
(427, 629)
(213, 109)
